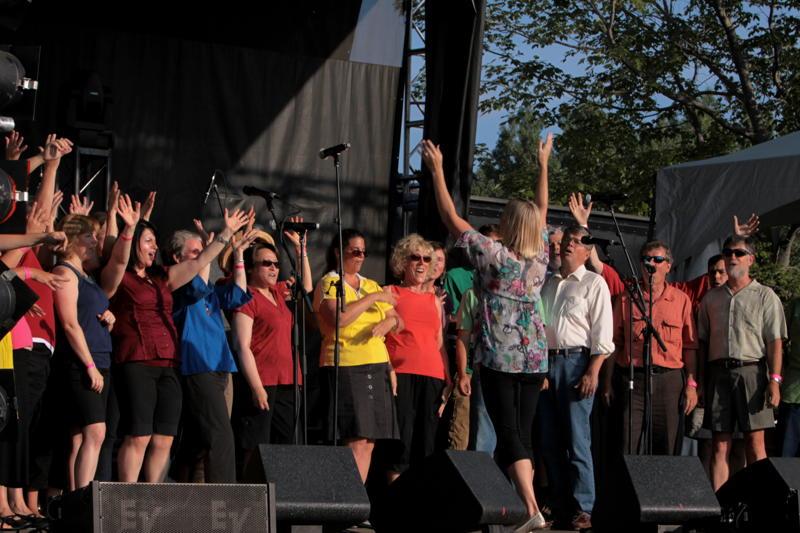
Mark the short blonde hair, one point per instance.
(413, 243)
(521, 228)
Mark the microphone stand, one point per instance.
(340, 301)
(300, 299)
(636, 296)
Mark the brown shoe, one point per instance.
(582, 520)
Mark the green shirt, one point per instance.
(739, 326)
(791, 381)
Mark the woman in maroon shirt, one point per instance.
(145, 350)
(263, 330)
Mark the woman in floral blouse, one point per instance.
(512, 350)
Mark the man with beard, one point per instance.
(741, 327)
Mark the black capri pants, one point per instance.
(511, 402)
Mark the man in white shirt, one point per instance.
(579, 325)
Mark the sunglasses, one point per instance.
(738, 252)
(418, 258)
(654, 259)
(356, 252)
(267, 263)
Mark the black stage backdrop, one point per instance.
(255, 96)
(453, 46)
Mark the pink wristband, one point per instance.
(90, 365)
(26, 274)
(776, 378)
(691, 383)
(239, 266)
(125, 238)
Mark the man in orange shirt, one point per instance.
(674, 389)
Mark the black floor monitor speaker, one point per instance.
(165, 508)
(763, 496)
(316, 485)
(451, 490)
(658, 489)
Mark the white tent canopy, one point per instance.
(696, 201)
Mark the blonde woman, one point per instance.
(512, 350)
(416, 352)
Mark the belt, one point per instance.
(568, 351)
(654, 369)
(733, 363)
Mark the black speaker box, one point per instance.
(316, 485)
(450, 491)
(764, 496)
(658, 489)
(165, 508)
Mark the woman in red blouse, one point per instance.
(417, 353)
(263, 330)
(145, 350)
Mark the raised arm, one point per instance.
(542, 191)
(112, 229)
(444, 202)
(580, 212)
(240, 244)
(300, 251)
(183, 272)
(112, 273)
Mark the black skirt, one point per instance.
(366, 404)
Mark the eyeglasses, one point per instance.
(738, 252)
(418, 258)
(267, 263)
(356, 252)
(654, 259)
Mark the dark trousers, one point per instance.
(418, 401)
(208, 426)
(667, 409)
(38, 366)
(511, 401)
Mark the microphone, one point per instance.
(211, 185)
(333, 150)
(588, 239)
(607, 198)
(650, 267)
(300, 227)
(255, 191)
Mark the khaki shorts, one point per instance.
(738, 399)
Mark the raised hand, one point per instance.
(235, 220)
(251, 219)
(201, 230)
(147, 207)
(80, 206)
(129, 212)
(431, 155)
(55, 148)
(56, 239)
(293, 236)
(36, 219)
(579, 211)
(58, 197)
(15, 145)
(243, 241)
(747, 229)
(113, 198)
(545, 149)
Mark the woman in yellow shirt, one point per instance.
(366, 380)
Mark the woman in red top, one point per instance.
(145, 350)
(263, 330)
(416, 352)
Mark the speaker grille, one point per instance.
(181, 507)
